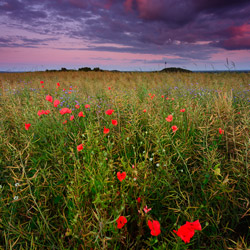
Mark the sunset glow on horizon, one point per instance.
(136, 35)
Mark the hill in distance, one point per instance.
(173, 69)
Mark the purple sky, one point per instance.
(124, 34)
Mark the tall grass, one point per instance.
(53, 196)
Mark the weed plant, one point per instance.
(54, 195)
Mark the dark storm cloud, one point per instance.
(235, 43)
(4, 40)
(184, 51)
(19, 11)
(190, 28)
(218, 5)
(20, 41)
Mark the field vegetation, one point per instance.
(101, 160)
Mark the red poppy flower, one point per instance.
(221, 131)
(81, 114)
(121, 221)
(144, 110)
(155, 227)
(121, 176)
(105, 130)
(46, 112)
(139, 199)
(172, 99)
(65, 111)
(186, 231)
(58, 84)
(72, 117)
(109, 88)
(42, 86)
(174, 128)
(169, 118)
(27, 126)
(182, 110)
(65, 122)
(152, 97)
(69, 92)
(109, 111)
(167, 98)
(80, 147)
(49, 98)
(162, 96)
(87, 106)
(70, 88)
(77, 106)
(114, 122)
(64, 89)
(41, 82)
(56, 103)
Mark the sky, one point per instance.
(136, 35)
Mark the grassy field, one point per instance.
(124, 161)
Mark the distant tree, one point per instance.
(85, 69)
(51, 70)
(64, 69)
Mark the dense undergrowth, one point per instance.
(53, 196)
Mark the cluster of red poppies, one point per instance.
(108, 112)
(43, 112)
(154, 225)
(185, 232)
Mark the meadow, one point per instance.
(101, 160)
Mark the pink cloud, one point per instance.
(178, 11)
(108, 4)
(128, 4)
(237, 56)
(237, 43)
(149, 9)
(240, 38)
(239, 30)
